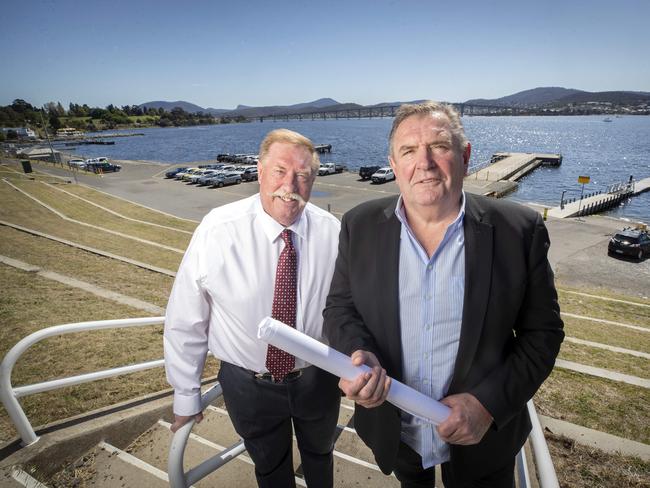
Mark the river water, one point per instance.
(608, 152)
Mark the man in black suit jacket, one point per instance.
(506, 338)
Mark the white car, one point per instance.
(382, 175)
(77, 163)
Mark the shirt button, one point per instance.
(429, 267)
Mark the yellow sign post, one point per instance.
(584, 180)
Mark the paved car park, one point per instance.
(578, 252)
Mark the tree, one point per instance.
(21, 106)
(55, 123)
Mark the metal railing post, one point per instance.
(545, 469)
(177, 477)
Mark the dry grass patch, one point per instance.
(101, 271)
(130, 209)
(79, 210)
(609, 360)
(30, 303)
(21, 210)
(597, 403)
(607, 334)
(583, 467)
(604, 309)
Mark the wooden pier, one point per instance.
(499, 177)
(594, 203)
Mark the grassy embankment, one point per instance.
(31, 302)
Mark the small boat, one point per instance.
(607, 119)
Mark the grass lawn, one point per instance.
(616, 408)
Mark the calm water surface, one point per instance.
(607, 152)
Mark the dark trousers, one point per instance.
(262, 413)
(410, 473)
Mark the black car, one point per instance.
(103, 167)
(365, 172)
(174, 172)
(630, 242)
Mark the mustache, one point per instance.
(288, 195)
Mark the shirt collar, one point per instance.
(272, 228)
(401, 213)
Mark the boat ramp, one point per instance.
(596, 202)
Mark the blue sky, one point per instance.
(220, 54)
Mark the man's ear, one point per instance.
(466, 155)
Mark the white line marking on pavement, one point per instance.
(134, 461)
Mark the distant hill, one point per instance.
(246, 110)
(284, 109)
(615, 97)
(526, 98)
(168, 106)
(561, 96)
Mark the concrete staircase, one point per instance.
(143, 463)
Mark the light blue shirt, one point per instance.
(431, 295)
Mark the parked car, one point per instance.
(232, 178)
(630, 242)
(188, 173)
(180, 174)
(366, 172)
(331, 168)
(173, 172)
(103, 167)
(382, 175)
(207, 177)
(77, 163)
(249, 174)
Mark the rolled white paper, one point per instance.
(309, 349)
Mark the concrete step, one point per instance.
(17, 478)
(353, 462)
(110, 467)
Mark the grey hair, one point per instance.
(430, 108)
(289, 137)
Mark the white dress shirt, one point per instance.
(431, 297)
(224, 288)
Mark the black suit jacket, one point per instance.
(511, 328)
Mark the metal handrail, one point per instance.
(9, 395)
(543, 461)
(177, 477)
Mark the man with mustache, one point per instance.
(269, 254)
(451, 293)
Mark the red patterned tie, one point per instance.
(278, 362)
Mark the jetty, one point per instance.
(593, 203)
(323, 148)
(500, 175)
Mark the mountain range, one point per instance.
(534, 98)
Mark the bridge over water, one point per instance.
(386, 110)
